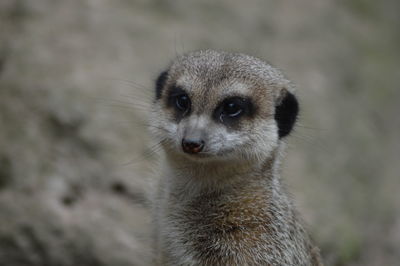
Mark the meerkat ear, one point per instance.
(286, 112)
(160, 83)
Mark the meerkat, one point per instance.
(222, 119)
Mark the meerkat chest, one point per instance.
(221, 229)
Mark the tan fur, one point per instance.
(225, 206)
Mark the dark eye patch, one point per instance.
(160, 83)
(179, 100)
(231, 109)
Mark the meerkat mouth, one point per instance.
(199, 156)
(204, 156)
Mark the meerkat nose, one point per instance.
(192, 146)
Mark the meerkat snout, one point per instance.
(194, 134)
(192, 146)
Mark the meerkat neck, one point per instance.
(187, 175)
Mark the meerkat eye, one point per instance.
(232, 108)
(182, 102)
(179, 100)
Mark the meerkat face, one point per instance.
(219, 106)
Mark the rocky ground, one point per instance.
(76, 78)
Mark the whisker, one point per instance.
(315, 143)
(128, 103)
(151, 151)
(308, 127)
(133, 106)
(130, 82)
(133, 109)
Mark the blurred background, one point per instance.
(76, 161)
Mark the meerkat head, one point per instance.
(213, 105)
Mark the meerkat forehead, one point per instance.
(212, 67)
(210, 76)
